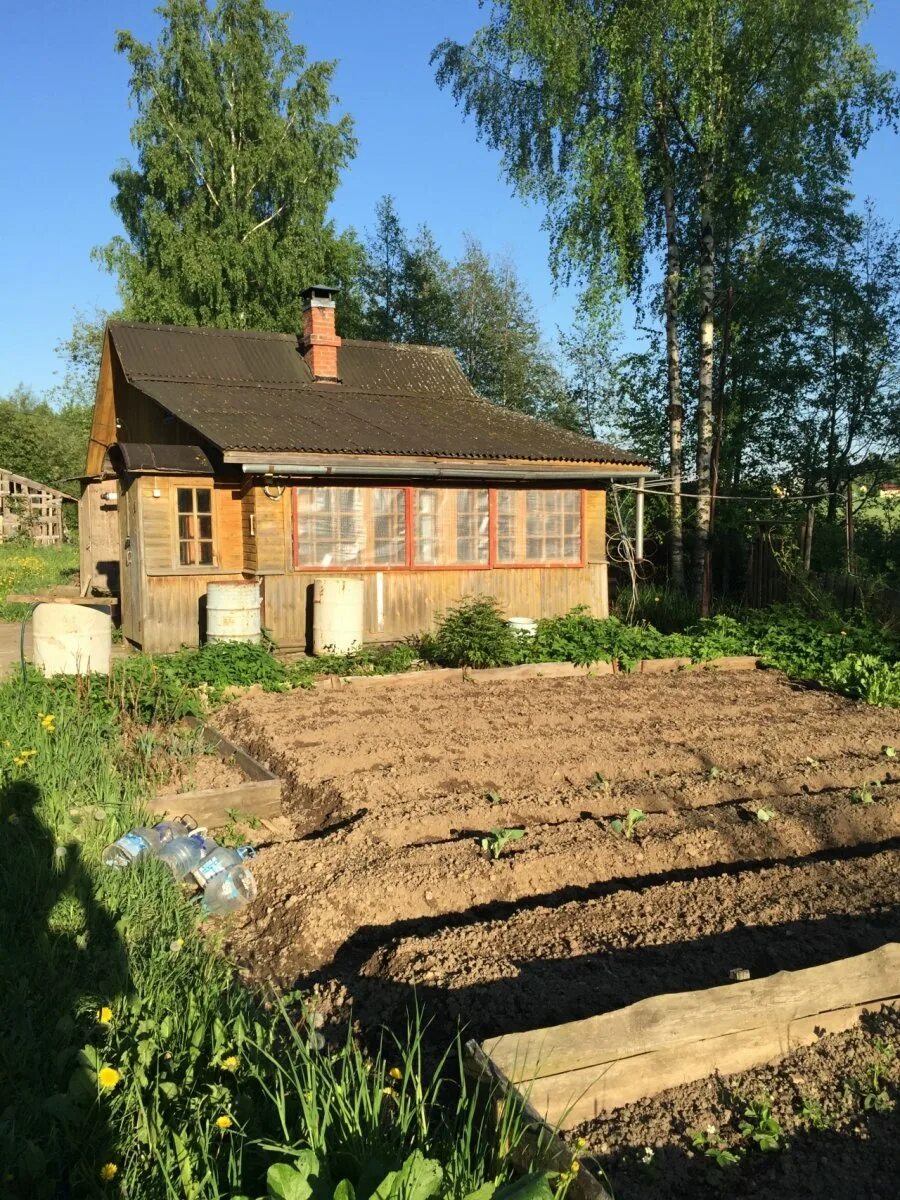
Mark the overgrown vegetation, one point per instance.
(131, 1054)
(28, 568)
(853, 655)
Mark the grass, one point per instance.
(133, 1060)
(26, 568)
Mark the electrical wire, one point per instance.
(651, 489)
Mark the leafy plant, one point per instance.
(712, 1145)
(889, 751)
(814, 1114)
(760, 1126)
(473, 633)
(628, 827)
(495, 842)
(865, 794)
(764, 815)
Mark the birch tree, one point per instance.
(635, 120)
(237, 160)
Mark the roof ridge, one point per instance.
(206, 330)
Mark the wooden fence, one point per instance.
(31, 509)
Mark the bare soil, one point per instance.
(835, 1104)
(382, 892)
(380, 895)
(200, 773)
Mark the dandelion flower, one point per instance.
(176, 945)
(104, 1015)
(388, 1091)
(223, 1122)
(231, 1063)
(574, 1167)
(108, 1077)
(108, 1171)
(395, 1073)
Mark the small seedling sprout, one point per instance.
(889, 751)
(765, 815)
(627, 826)
(865, 793)
(495, 842)
(493, 797)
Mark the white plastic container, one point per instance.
(523, 625)
(232, 612)
(71, 639)
(338, 606)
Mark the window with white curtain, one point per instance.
(451, 527)
(351, 527)
(538, 526)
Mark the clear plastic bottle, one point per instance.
(143, 841)
(220, 859)
(228, 891)
(183, 854)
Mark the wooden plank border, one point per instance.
(539, 1146)
(259, 797)
(550, 670)
(576, 1071)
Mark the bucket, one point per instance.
(72, 639)
(338, 605)
(523, 625)
(232, 612)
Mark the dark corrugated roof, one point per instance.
(140, 457)
(254, 391)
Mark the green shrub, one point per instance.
(866, 677)
(473, 633)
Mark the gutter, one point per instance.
(317, 470)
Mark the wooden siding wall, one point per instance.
(98, 527)
(253, 535)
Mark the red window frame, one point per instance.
(408, 565)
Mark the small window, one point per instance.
(451, 527)
(538, 526)
(195, 532)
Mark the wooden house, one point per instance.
(221, 455)
(31, 509)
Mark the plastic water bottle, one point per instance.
(220, 859)
(228, 891)
(183, 854)
(143, 841)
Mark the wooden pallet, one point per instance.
(574, 1072)
(259, 797)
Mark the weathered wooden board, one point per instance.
(539, 1146)
(580, 1069)
(259, 797)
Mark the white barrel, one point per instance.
(232, 612)
(71, 639)
(523, 625)
(337, 615)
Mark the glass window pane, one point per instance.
(185, 500)
(205, 527)
(204, 500)
(184, 553)
(206, 554)
(185, 527)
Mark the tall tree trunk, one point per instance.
(705, 382)
(673, 369)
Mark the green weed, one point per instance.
(814, 1114)
(495, 842)
(760, 1127)
(711, 1144)
(627, 827)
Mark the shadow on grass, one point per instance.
(61, 959)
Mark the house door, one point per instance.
(131, 567)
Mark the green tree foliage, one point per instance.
(477, 305)
(237, 160)
(42, 441)
(638, 122)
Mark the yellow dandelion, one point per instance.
(575, 1166)
(395, 1073)
(223, 1122)
(49, 722)
(231, 1063)
(104, 1015)
(19, 761)
(388, 1091)
(108, 1077)
(108, 1171)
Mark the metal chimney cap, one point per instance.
(318, 291)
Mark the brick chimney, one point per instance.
(319, 342)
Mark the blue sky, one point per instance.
(64, 124)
